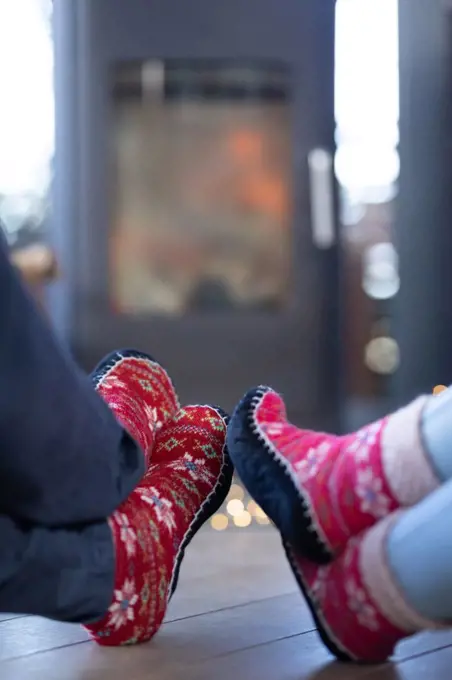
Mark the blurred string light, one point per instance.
(381, 279)
(382, 355)
(239, 511)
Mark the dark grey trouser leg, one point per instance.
(64, 459)
(62, 574)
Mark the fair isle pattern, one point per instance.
(140, 394)
(158, 520)
(313, 581)
(341, 482)
(349, 621)
(357, 604)
(268, 421)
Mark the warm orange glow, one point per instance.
(266, 193)
(439, 388)
(246, 145)
(259, 188)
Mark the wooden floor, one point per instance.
(236, 615)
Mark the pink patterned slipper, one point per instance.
(320, 489)
(359, 609)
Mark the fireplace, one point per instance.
(198, 224)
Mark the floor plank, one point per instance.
(224, 570)
(236, 615)
(431, 666)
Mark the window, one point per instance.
(367, 168)
(26, 118)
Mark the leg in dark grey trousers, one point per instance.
(65, 466)
(64, 459)
(66, 574)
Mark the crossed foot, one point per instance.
(332, 498)
(188, 478)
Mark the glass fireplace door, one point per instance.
(200, 209)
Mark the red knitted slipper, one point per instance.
(358, 607)
(139, 392)
(321, 489)
(182, 427)
(155, 524)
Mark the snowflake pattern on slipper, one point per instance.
(155, 524)
(139, 392)
(321, 489)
